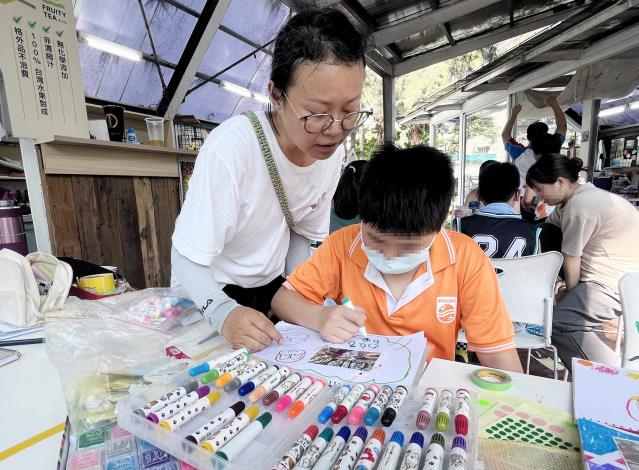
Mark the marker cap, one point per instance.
(190, 386)
(252, 412)
(423, 418)
(283, 403)
(371, 416)
(339, 414)
(210, 376)
(246, 389)
(270, 397)
(312, 431)
(461, 424)
(459, 441)
(203, 391)
(238, 407)
(437, 439)
(361, 432)
(265, 418)
(388, 417)
(223, 379)
(398, 437)
(417, 438)
(356, 415)
(199, 369)
(344, 432)
(327, 434)
(296, 409)
(325, 415)
(232, 385)
(214, 396)
(379, 434)
(165, 425)
(153, 417)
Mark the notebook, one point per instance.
(8, 355)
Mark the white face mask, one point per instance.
(399, 264)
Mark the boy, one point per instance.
(405, 271)
(498, 228)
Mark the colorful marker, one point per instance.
(413, 452)
(346, 302)
(378, 405)
(217, 423)
(243, 439)
(175, 407)
(458, 456)
(252, 384)
(227, 377)
(313, 453)
(245, 376)
(307, 397)
(290, 458)
(443, 410)
(214, 363)
(395, 403)
(332, 405)
(294, 393)
(462, 411)
(393, 452)
(347, 404)
(269, 384)
(351, 452)
(370, 454)
(426, 411)
(282, 388)
(359, 410)
(191, 411)
(333, 450)
(166, 399)
(231, 430)
(434, 459)
(225, 367)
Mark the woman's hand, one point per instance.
(248, 328)
(339, 323)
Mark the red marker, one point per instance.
(347, 404)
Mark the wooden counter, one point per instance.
(113, 204)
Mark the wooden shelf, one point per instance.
(622, 170)
(73, 156)
(12, 178)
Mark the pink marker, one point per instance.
(294, 393)
(359, 410)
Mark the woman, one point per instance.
(263, 183)
(345, 201)
(600, 244)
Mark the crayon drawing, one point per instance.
(290, 356)
(338, 357)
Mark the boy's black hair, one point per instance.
(314, 35)
(406, 191)
(546, 143)
(536, 129)
(498, 182)
(345, 200)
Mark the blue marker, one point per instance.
(332, 405)
(378, 405)
(229, 361)
(248, 387)
(393, 452)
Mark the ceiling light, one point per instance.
(110, 47)
(238, 90)
(612, 111)
(634, 105)
(261, 98)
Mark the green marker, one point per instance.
(244, 438)
(346, 302)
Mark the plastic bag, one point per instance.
(103, 348)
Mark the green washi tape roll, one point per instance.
(492, 379)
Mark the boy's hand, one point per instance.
(340, 323)
(551, 101)
(249, 328)
(516, 110)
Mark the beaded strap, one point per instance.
(272, 169)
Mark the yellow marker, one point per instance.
(225, 434)
(190, 412)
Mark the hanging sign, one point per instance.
(40, 65)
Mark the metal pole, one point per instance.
(388, 90)
(589, 135)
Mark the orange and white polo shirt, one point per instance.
(460, 290)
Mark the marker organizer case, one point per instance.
(273, 442)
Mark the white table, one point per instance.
(553, 393)
(32, 403)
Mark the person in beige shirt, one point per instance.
(600, 244)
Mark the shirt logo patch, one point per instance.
(446, 309)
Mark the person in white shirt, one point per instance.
(263, 183)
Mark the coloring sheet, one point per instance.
(393, 360)
(606, 394)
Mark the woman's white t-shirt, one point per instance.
(231, 219)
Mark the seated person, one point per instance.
(600, 234)
(498, 228)
(472, 202)
(344, 209)
(402, 268)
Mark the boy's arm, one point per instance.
(560, 117)
(505, 360)
(507, 132)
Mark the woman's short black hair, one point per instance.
(552, 166)
(345, 200)
(498, 182)
(315, 35)
(406, 191)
